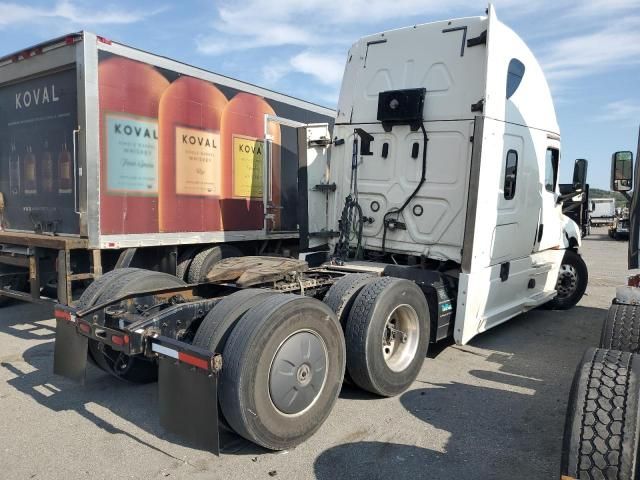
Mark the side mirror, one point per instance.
(580, 174)
(622, 171)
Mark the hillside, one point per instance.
(598, 193)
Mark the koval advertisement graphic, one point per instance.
(37, 119)
(177, 154)
(181, 154)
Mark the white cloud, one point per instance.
(605, 7)
(13, 14)
(621, 111)
(596, 52)
(325, 68)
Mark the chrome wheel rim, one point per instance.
(400, 337)
(567, 281)
(298, 372)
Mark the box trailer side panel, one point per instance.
(130, 149)
(182, 151)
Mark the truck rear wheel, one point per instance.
(572, 282)
(343, 293)
(387, 336)
(603, 417)
(136, 369)
(283, 368)
(215, 328)
(621, 329)
(207, 258)
(184, 262)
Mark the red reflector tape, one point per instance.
(120, 340)
(181, 356)
(191, 360)
(85, 327)
(63, 315)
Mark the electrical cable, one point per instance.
(423, 178)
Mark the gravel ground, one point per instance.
(491, 409)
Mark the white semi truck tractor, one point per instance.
(432, 211)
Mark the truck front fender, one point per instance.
(571, 235)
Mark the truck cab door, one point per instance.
(314, 187)
(312, 196)
(549, 232)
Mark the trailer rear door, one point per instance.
(38, 124)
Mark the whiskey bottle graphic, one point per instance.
(189, 168)
(14, 170)
(242, 172)
(47, 174)
(30, 173)
(65, 171)
(130, 92)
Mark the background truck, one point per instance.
(603, 415)
(442, 191)
(619, 230)
(603, 211)
(115, 157)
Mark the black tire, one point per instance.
(95, 288)
(602, 423)
(342, 294)
(184, 262)
(215, 328)
(255, 345)
(621, 329)
(207, 258)
(377, 303)
(135, 369)
(569, 294)
(91, 294)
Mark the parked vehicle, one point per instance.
(620, 228)
(603, 416)
(443, 218)
(577, 208)
(115, 157)
(603, 211)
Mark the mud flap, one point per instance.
(70, 351)
(188, 401)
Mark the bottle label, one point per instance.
(248, 155)
(131, 154)
(64, 173)
(197, 162)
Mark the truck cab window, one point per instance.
(551, 169)
(510, 174)
(515, 72)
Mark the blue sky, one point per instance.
(590, 49)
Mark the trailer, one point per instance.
(442, 196)
(603, 211)
(115, 157)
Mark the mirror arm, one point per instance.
(627, 196)
(566, 196)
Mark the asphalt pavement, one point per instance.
(493, 409)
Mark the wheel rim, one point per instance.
(400, 337)
(567, 281)
(298, 372)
